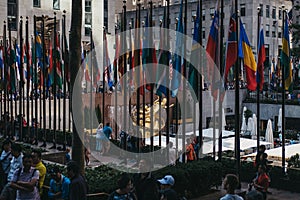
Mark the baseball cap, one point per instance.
(167, 180)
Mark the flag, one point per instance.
(149, 55)
(212, 49)
(59, 62)
(245, 52)
(285, 57)
(193, 73)
(178, 61)
(86, 71)
(107, 64)
(38, 46)
(163, 59)
(261, 59)
(231, 47)
(1, 61)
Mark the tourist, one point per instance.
(78, 186)
(87, 154)
(144, 184)
(230, 184)
(37, 163)
(99, 137)
(261, 150)
(124, 190)
(261, 183)
(25, 180)
(68, 155)
(166, 191)
(190, 153)
(107, 130)
(5, 161)
(59, 185)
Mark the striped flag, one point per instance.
(285, 57)
(261, 59)
(245, 52)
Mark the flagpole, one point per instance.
(138, 102)
(5, 74)
(200, 82)
(41, 79)
(32, 82)
(125, 68)
(35, 83)
(183, 108)
(54, 82)
(28, 76)
(283, 95)
(43, 71)
(92, 81)
(258, 85)
(65, 76)
(151, 92)
(21, 79)
(59, 90)
(103, 80)
(168, 80)
(237, 100)
(221, 82)
(50, 86)
(10, 69)
(15, 92)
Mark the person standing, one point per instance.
(5, 161)
(145, 185)
(261, 184)
(190, 152)
(59, 185)
(37, 163)
(230, 184)
(166, 184)
(107, 130)
(124, 190)
(25, 180)
(78, 185)
(99, 137)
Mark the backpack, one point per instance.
(19, 173)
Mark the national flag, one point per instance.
(231, 47)
(245, 52)
(96, 70)
(261, 60)
(86, 71)
(59, 62)
(285, 57)
(178, 61)
(212, 49)
(149, 55)
(38, 45)
(196, 49)
(107, 63)
(163, 59)
(66, 62)
(1, 61)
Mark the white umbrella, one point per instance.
(223, 119)
(244, 125)
(269, 134)
(279, 124)
(250, 125)
(254, 131)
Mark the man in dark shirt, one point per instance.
(167, 193)
(78, 186)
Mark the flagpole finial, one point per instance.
(282, 6)
(64, 11)
(54, 13)
(27, 17)
(130, 24)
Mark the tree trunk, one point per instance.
(75, 59)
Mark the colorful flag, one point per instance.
(38, 45)
(261, 60)
(196, 49)
(59, 62)
(231, 47)
(107, 63)
(163, 59)
(212, 49)
(285, 57)
(178, 61)
(245, 52)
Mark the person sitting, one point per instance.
(59, 185)
(124, 190)
(230, 184)
(166, 192)
(38, 164)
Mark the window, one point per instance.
(106, 14)
(212, 12)
(203, 15)
(243, 9)
(279, 14)
(267, 30)
(274, 30)
(192, 31)
(87, 30)
(279, 32)
(56, 4)
(261, 9)
(194, 15)
(12, 14)
(203, 32)
(88, 6)
(273, 12)
(267, 50)
(37, 3)
(267, 11)
(88, 18)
